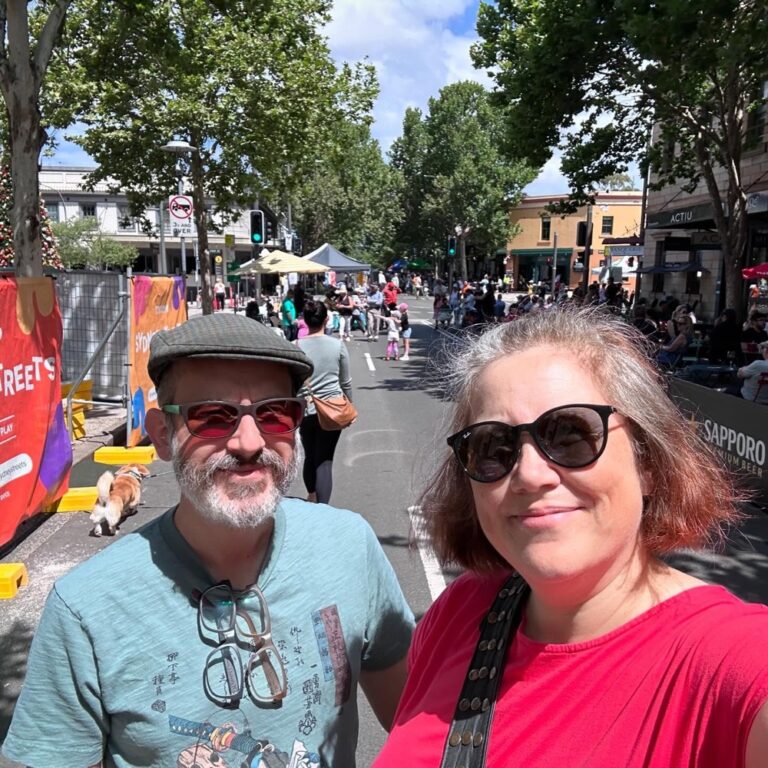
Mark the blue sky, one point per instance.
(418, 46)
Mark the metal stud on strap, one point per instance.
(467, 739)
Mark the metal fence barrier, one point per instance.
(89, 303)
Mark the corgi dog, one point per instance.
(119, 497)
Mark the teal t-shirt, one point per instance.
(116, 666)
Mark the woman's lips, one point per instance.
(544, 517)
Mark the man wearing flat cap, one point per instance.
(232, 630)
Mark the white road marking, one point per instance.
(432, 569)
(369, 362)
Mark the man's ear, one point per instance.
(156, 425)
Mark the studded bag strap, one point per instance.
(467, 740)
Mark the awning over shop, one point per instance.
(682, 218)
(756, 272)
(685, 266)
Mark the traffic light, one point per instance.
(451, 246)
(581, 234)
(269, 229)
(257, 227)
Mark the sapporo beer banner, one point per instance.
(35, 452)
(157, 303)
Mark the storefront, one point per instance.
(535, 264)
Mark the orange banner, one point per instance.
(35, 452)
(157, 303)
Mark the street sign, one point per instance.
(180, 210)
(229, 241)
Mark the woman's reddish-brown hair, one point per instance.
(692, 499)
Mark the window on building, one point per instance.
(88, 210)
(607, 226)
(125, 222)
(546, 227)
(53, 212)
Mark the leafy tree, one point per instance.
(466, 185)
(250, 84)
(25, 53)
(617, 182)
(408, 155)
(693, 70)
(83, 245)
(350, 199)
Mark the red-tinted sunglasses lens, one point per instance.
(215, 420)
(212, 420)
(279, 417)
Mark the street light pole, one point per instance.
(180, 149)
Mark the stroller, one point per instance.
(444, 316)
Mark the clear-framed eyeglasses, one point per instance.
(240, 618)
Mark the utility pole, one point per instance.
(587, 247)
(554, 265)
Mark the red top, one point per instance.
(678, 686)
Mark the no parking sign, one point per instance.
(180, 209)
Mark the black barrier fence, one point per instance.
(736, 428)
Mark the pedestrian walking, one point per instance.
(393, 336)
(239, 620)
(330, 378)
(405, 330)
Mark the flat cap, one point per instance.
(227, 336)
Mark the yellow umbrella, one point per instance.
(279, 262)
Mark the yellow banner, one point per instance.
(157, 303)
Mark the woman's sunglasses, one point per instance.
(570, 436)
(215, 419)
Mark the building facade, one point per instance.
(65, 197)
(682, 254)
(531, 252)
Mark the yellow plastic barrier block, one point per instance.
(12, 576)
(84, 391)
(76, 500)
(113, 454)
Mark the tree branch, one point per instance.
(48, 37)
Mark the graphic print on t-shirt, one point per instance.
(225, 739)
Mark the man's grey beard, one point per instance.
(245, 505)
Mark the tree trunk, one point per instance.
(463, 257)
(26, 140)
(201, 224)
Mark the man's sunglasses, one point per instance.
(570, 436)
(215, 419)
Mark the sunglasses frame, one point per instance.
(604, 411)
(182, 409)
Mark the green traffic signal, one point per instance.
(257, 227)
(451, 246)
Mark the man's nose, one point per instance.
(247, 438)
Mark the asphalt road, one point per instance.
(381, 463)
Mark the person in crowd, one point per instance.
(486, 304)
(393, 336)
(725, 338)
(330, 378)
(288, 317)
(754, 329)
(643, 323)
(755, 386)
(499, 308)
(418, 291)
(299, 297)
(206, 629)
(405, 330)
(344, 307)
(454, 302)
(390, 296)
(360, 312)
(671, 353)
(220, 292)
(559, 493)
(375, 302)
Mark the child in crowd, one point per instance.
(393, 335)
(405, 330)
